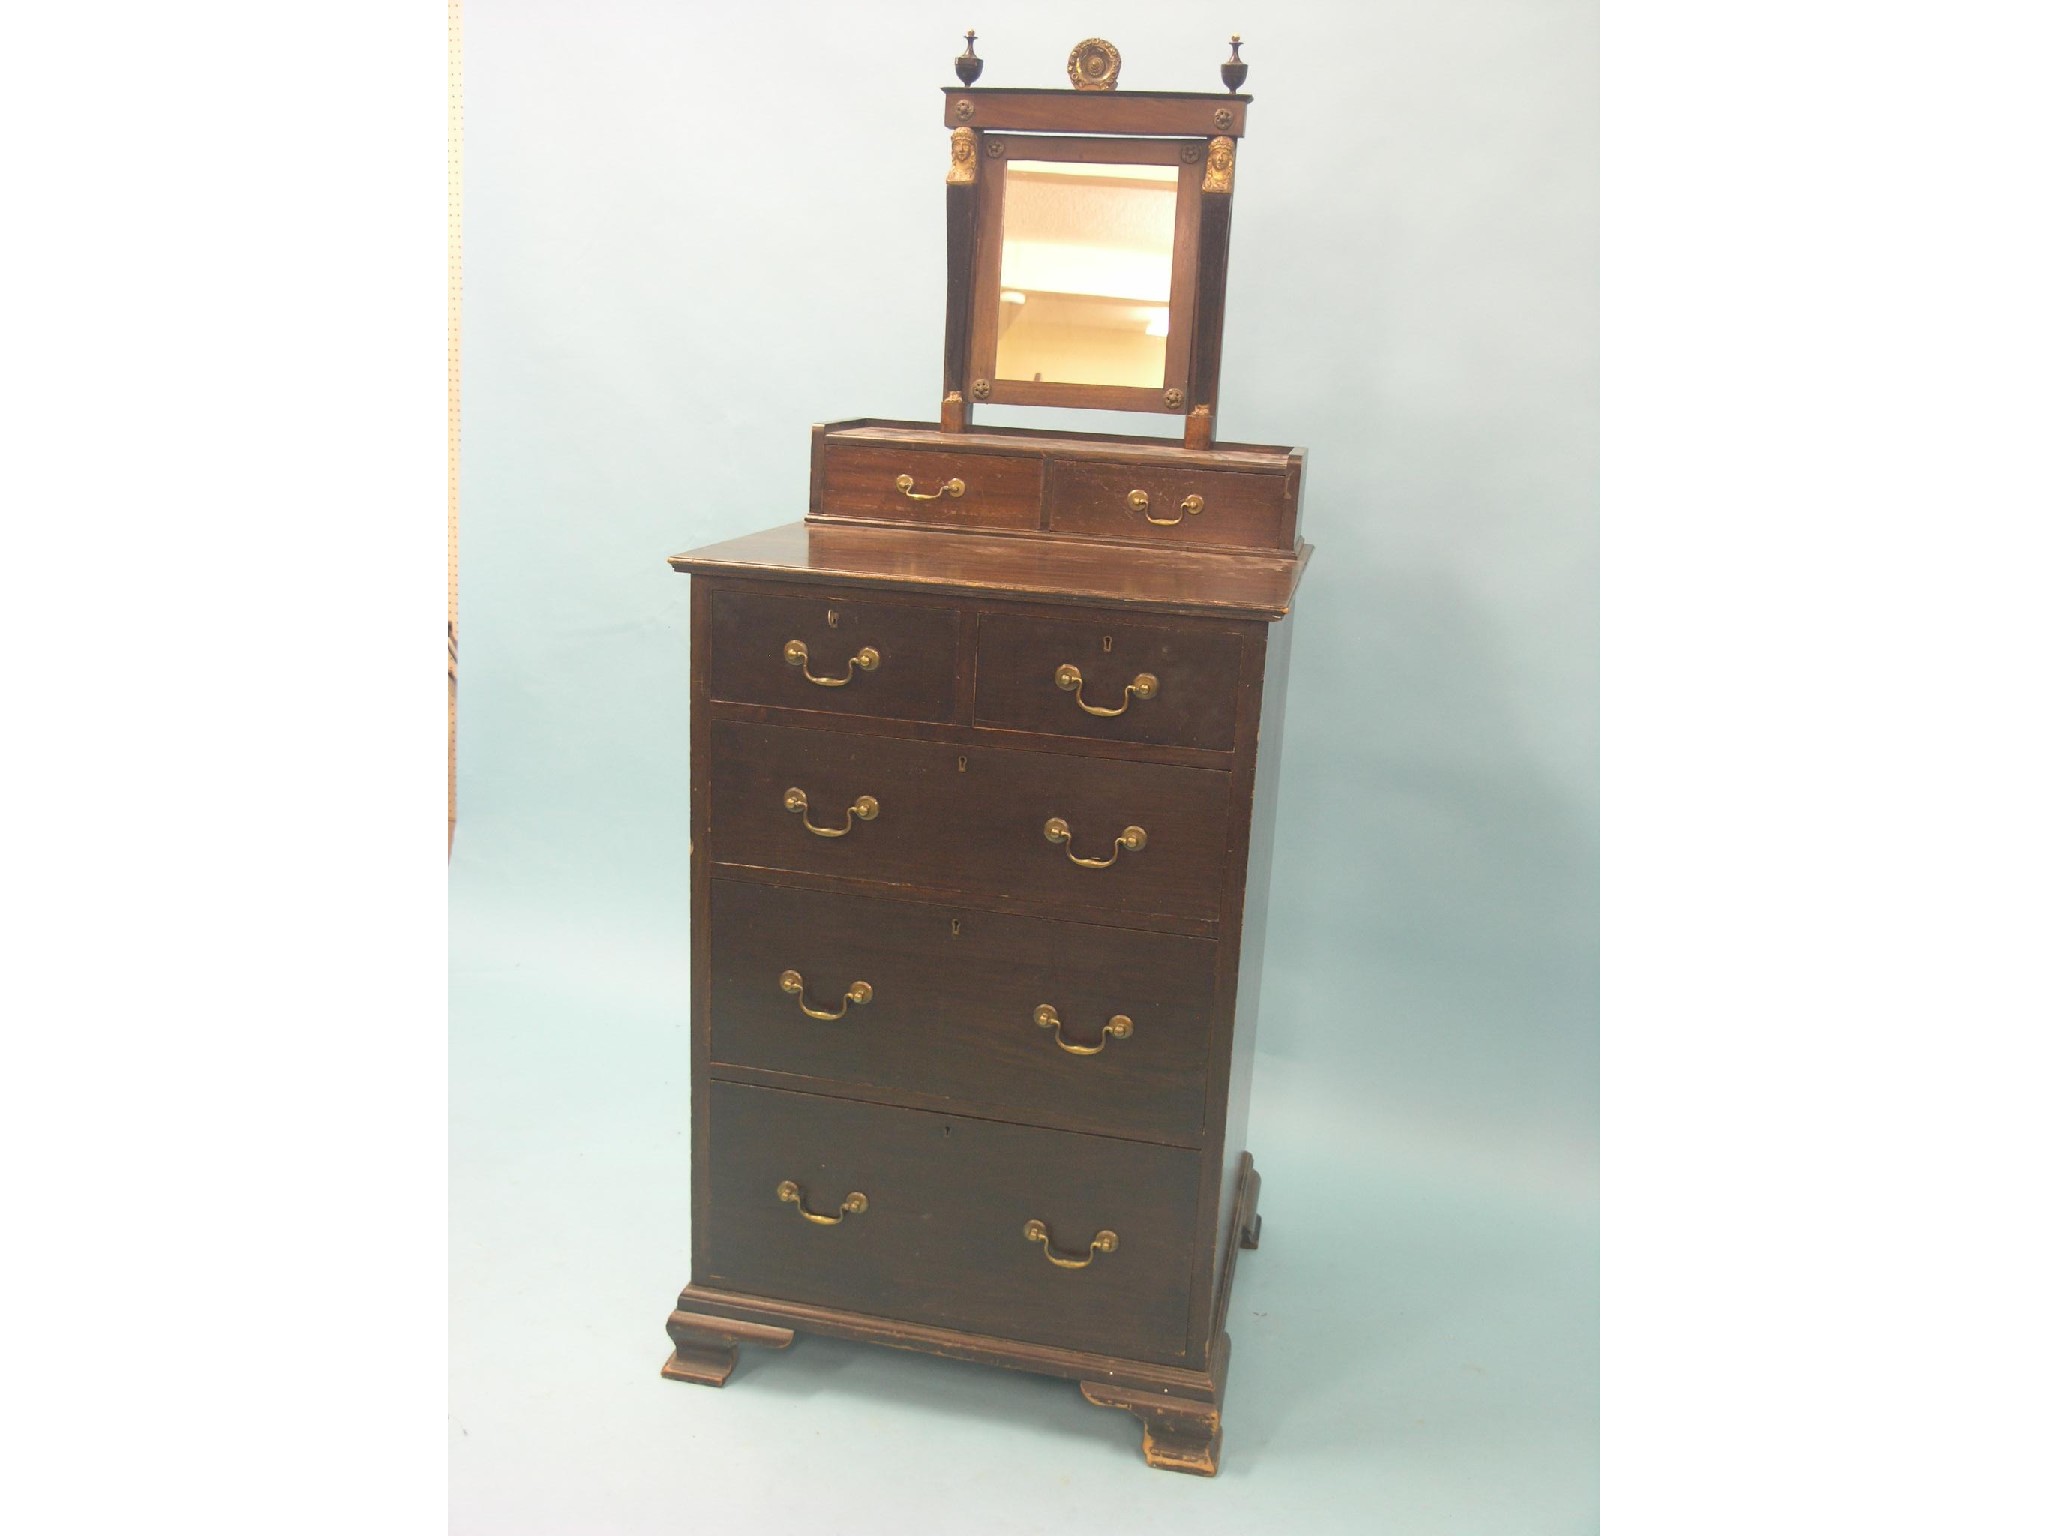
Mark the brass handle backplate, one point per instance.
(1140, 503)
(867, 658)
(1034, 1232)
(792, 1193)
(793, 983)
(867, 808)
(1068, 678)
(954, 487)
(1057, 831)
(1047, 1017)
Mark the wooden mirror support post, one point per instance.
(984, 754)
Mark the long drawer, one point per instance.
(938, 1234)
(1104, 836)
(1016, 1017)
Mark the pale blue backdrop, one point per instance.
(691, 231)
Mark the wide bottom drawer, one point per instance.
(939, 1232)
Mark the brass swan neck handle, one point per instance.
(1141, 503)
(954, 487)
(867, 808)
(792, 1193)
(797, 654)
(1057, 831)
(1047, 1017)
(1068, 678)
(1034, 1232)
(792, 982)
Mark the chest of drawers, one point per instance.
(981, 823)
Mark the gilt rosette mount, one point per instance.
(1094, 65)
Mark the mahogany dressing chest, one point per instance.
(984, 761)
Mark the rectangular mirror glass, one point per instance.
(1087, 273)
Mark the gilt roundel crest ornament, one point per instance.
(1093, 65)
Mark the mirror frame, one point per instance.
(1197, 131)
(998, 151)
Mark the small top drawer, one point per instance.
(1159, 505)
(852, 658)
(1109, 680)
(914, 484)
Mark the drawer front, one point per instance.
(994, 490)
(1167, 686)
(952, 1006)
(942, 1237)
(855, 658)
(1236, 510)
(973, 821)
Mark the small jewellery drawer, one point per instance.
(1043, 1236)
(829, 654)
(1225, 508)
(1108, 679)
(1105, 836)
(905, 484)
(1018, 1017)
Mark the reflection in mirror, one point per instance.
(1087, 273)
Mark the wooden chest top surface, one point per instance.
(1247, 585)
